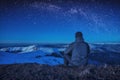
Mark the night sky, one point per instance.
(56, 21)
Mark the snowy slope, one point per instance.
(30, 57)
(30, 49)
(100, 54)
(94, 48)
(30, 54)
(20, 49)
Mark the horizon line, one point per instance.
(57, 42)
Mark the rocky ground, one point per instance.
(45, 72)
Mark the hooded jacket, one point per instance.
(80, 51)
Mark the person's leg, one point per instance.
(67, 60)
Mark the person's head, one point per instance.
(78, 35)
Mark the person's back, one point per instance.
(80, 51)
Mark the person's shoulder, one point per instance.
(86, 43)
(72, 43)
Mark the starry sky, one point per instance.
(56, 21)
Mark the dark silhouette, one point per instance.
(77, 52)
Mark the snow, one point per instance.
(30, 48)
(20, 49)
(30, 57)
(46, 49)
(30, 54)
(44, 55)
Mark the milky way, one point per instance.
(57, 21)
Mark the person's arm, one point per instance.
(88, 47)
(69, 49)
(88, 50)
(67, 52)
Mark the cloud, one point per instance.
(73, 11)
(45, 6)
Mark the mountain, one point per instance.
(100, 54)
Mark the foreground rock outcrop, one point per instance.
(44, 72)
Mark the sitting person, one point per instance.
(77, 52)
